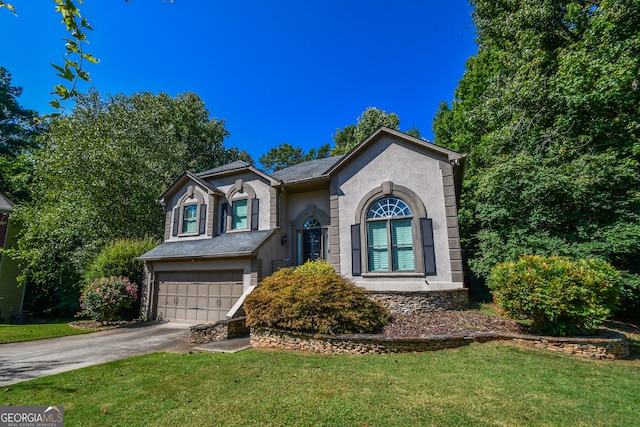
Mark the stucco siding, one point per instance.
(390, 160)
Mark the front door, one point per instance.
(311, 244)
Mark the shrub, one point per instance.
(313, 298)
(629, 295)
(562, 296)
(118, 258)
(106, 299)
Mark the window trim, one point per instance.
(242, 191)
(192, 197)
(360, 249)
(391, 249)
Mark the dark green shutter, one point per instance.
(223, 217)
(428, 247)
(356, 258)
(255, 213)
(203, 218)
(176, 220)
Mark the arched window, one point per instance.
(389, 236)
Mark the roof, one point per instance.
(451, 155)
(306, 170)
(238, 164)
(6, 205)
(222, 246)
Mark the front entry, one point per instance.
(312, 244)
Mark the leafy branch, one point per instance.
(72, 69)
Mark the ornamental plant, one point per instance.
(313, 298)
(562, 296)
(107, 299)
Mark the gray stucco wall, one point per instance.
(404, 165)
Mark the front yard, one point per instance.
(488, 384)
(38, 331)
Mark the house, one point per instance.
(384, 215)
(11, 296)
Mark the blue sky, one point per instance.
(278, 71)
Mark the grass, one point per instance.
(478, 385)
(37, 331)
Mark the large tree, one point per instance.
(17, 129)
(286, 155)
(549, 112)
(370, 120)
(97, 178)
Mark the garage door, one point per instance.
(204, 296)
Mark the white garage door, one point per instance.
(203, 296)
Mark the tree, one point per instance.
(17, 129)
(549, 113)
(370, 120)
(97, 178)
(286, 155)
(73, 69)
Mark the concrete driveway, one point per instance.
(34, 359)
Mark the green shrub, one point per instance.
(562, 296)
(108, 298)
(118, 258)
(313, 298)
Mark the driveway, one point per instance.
(34, 359)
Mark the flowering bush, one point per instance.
(562, 296)
(107, 298)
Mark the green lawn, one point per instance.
(482, 384)
(38, 331)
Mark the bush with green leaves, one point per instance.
(562, 296)
(108, 298)
(118, 258)
(313, 298)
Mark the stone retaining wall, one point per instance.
(421, 302)
(219, 331)
(596, 348)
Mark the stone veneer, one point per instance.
(421, 302)
(615, 347)
(219, 331)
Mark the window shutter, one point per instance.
(223, 219)
(176, 220)
(356, 258)
(428, 247)
(255, 211)
(203, 219)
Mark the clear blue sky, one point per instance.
(277, 71)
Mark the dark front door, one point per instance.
(311, 244)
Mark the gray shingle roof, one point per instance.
(225, 245)
(238, 164)
(6, 205)
(306, 170)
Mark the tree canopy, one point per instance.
(17, 129)
(370, 120)
(97, 176)
(549, 113)
(286, 155)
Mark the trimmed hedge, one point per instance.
(562, 296)
(313, 298)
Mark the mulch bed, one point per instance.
(449, 323)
